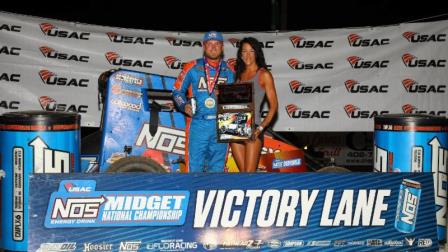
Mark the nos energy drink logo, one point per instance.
(77, 204)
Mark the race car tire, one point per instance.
(333, 169)
(136, 164)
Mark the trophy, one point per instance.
(235, 112)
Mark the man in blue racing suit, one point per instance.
(196, 84)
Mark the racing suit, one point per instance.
(203, 153)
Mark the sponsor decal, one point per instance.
(424, 243)
(409, 241)
(53, 31)
(15, 51)
(118, 38)
(49, 104)
(10, 27)
(411, 109)
(50, 78)
(10, 77)
(374, 242)
(173, 62)
(63, 246)
(301, 42)
(115, 59)
(88, 246)
(128, 78)
(210, 246)
(412, 86)
(415, 37)
(355, 243)
(394, 243)
(298, 65)
(359, 63)
(274, 243)
(295, 112)
(353, 86)
(129, 246)
(51, 53)
(182, 42)
(355, 40)
(166, 139)
(298, 87)
(242, 244)
(340, 243)
(48, 160)
(172, 245)
(410, 60)
(126, 105)
(263, 44)
(318, 243)
(77, 204)
(279, 163)
(293, 243)
(355, 112)
(118, 90)
(5, 104)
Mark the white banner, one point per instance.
(326, 80)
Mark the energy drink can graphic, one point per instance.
(407, 206)
(32, 142)
(415, 143)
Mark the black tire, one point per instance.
(136, 164)
(333, 169)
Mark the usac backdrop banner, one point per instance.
(327, 80)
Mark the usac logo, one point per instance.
(411, 86)
(298, 65)
(11, 28)
(115, 59)
(49, 104)
(50, 78)
(51, 53)
(301, 42)
(298, 87)
(15, 51)
(4, 104)
(353, 86)
(117, 38)
(411, 109)
(295, 112)
(415, 37)
(181, 42)
(410, 60)
(359, 63)
(355, 40)
(355, 112)
(53, 31)
(10, 77)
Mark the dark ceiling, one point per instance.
(232, 15)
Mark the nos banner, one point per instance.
(182, 212)
(328, 80)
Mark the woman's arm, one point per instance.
(268, 82)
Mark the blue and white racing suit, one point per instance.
(203, 153)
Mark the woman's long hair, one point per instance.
(259, 56)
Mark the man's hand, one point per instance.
(188, 110)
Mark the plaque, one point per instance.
(235, 112)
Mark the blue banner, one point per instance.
(278, 212)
